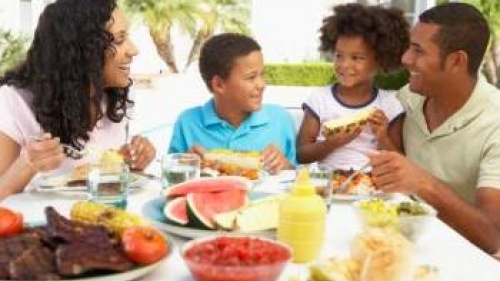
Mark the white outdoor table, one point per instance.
(441, 246)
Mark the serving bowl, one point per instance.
(409, 217)
(235, 258)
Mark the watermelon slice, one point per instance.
(175, 211)
(207, 185)
(202, 207)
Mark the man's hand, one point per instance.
(392, 172)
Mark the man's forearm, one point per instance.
(465, 218)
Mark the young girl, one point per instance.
(364, 40)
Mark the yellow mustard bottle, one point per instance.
(302, 220)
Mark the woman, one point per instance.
(72, 89)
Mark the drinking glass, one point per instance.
(108, 183)
(179, 167)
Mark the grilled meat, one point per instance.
(13, 247)
(75, 259)
(36, 263)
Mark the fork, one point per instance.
(67, 149)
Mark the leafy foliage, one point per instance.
(200, 19)
(321, 74)
(12, 50)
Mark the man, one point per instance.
(451, 131)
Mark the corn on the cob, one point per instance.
(115, 220)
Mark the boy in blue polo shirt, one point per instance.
(233, 69)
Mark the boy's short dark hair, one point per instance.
(461, 27)
(385, 30)
(218, 54)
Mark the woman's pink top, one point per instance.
(18, 122)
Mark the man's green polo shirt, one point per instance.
(464, 151)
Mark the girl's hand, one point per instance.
(379, 123)
(139, 153)
(44, 153)
(344, 137)
(274, 160)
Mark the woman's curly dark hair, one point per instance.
(64, 64)
(385, 30)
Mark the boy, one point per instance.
(232, 67)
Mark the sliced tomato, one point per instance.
(11, 223)
(144, 245)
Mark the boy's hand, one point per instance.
(197, 149)
(274, 160)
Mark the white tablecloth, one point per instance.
(457, 259)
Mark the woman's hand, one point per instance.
(139, 153)
(45, 153)
(274, 160)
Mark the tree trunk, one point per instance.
(495, 53)
(164, 47)
(200, 39)
(489, 67)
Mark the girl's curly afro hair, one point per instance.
(385, 30)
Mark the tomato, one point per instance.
(11, 223)
(144, 245)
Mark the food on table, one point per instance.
(107, 160)
(206, 185)
(377, 212)
(232, 163)
(175, 211)
(232, 258)
(113, 219)
(257, 215)
(61, 249)
(376, 255)
(334, 269)
(200, 200)
(361, 184)
(385, 254)
(426, 273)
(347, 123)
(144, 244)
(11, 223)
(408, 217)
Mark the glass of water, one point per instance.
(179, 167)
(108, 183)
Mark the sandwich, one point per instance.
(232, 163)
(347, 123)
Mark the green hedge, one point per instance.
(321, 74)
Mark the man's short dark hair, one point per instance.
(461, 27)
(218, 54)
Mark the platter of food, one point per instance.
(64, 249)
(212, 206)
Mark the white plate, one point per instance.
(357, 197)
(60, 183)
(153, 211)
